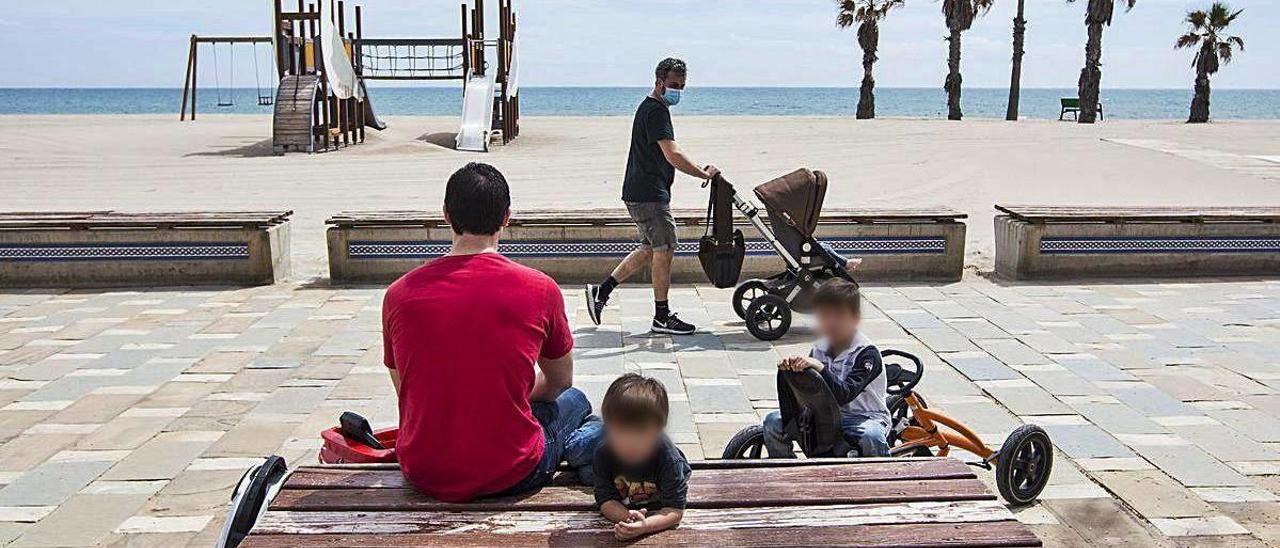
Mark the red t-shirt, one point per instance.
(465, 333)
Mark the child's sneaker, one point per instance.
(673, 326)
(595, 307)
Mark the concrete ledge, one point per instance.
(79, 256)
(925, 248)
(1027, 249)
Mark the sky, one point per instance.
(140, 43)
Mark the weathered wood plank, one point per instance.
(1006, 534)
(327, 478)
(370, 523)
(609, 216)
(700, 496)
(1083, 213)
(118, 219)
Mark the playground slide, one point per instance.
(477, 115)
(370, 117)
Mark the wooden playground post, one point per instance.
(359, 66)
(277, 38)
(188, 81)
(466, 45)
(343, 104)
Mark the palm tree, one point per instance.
(960, 15)
(1015, 79)
(1207, 28)
(1097, 14)
(867, 14)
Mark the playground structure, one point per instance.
(321, 101)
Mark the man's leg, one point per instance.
(775, 438)
(867, 433)
(580, 449)
(558, 419)
(663, 236)
(598, 295)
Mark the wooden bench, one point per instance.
(1072, 105)
(584, 245)
(1162, 241)
(109, 248)
(872, 502)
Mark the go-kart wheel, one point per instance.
(1024, 464)
(769, 317)
(750, 290)
(748, 443)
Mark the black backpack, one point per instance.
(722, 249)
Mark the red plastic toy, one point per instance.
(338, 449)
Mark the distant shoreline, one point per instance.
(895, 102)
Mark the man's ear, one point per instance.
(446, 216)
(506, 218)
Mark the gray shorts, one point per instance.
(657, 226)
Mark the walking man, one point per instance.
(651, 169)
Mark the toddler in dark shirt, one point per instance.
(641, 477)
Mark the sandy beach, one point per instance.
(224, 161)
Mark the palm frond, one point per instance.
(1187, 40)
(1197, 19)
(1224, 52)
(1237, 41)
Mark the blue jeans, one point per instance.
(572, 436)
(866, 433)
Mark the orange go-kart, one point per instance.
(1022, 465)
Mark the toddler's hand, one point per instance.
(637, 515)
(627, 530)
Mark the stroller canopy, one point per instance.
(796, 197)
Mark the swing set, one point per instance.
(219, 47)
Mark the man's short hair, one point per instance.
(671, 65)
(633, 400)
(477, 199)
(839, 293)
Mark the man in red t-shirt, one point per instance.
(481, 355)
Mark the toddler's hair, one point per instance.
(839, 293)
(633, 400)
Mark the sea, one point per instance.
(620, 101)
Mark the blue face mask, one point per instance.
(671, 96)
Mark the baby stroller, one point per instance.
(793, 204)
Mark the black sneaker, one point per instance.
(673, 326)
(595, 307)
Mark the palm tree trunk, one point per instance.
(954, 79)
(869, 40)
(1200, 104)
(1091, 75)
(1015, 79)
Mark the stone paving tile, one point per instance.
(1154, 494)
(84, 520)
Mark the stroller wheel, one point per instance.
(748, 443)
(1024, 464)
(769, 317)
(750, 290)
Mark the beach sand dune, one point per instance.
(225, 161)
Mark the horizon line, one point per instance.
(596, 86)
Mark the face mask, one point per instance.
(671, 96)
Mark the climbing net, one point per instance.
(411, 61)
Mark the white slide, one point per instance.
(477, 115)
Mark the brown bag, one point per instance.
(722, 249)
